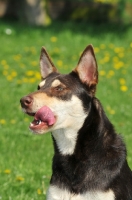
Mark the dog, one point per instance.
(89, 161)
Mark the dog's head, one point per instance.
(62, 100)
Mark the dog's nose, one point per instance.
(26, 101)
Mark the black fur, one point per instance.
(98, 162)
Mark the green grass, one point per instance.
(25, 159)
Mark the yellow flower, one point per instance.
(39, 191)
(102, 73)
(13, 121)
(7, 171)
(110, 74)
(56, 50)
(5, 72)
(111, 46)
(17, 57)
(124, 88)
(31, 80)
(59, 63)
(96, 49)
(53, 39)
(3, 62)
(115, 59)
(34, 63)
(122, 81)
(33, 50)
(19, 178)
(131, 44)
(37, 75)
(110, 110)
(6, 66)
(2, 121)
(26, 119)
(118, 65)
(24, 80)
(106, 59)
(14, 74)
(9, 78)
(102, 46)
(121, 55)
(30, 73)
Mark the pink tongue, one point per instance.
(45, 115)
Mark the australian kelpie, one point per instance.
(89, 160)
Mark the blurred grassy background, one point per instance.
(25, 164)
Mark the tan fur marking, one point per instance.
(55, 83)
(42, 83)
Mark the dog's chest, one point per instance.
(59, 194)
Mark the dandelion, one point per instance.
(30, 73)
(115, 59)
(59, 63)
(26, 119)
(24, 80)
(123, 88)
(106, 59)
(39, 191)
(13, 73)
(121, 55)
(17, 57)
(7, 171)
(13, 121)
(34, 63)
(122, 81)
(9, 78)
(110, 74)
(131, 44)
(33, 50)
(5, 72)
(3, 62)
(53, 39)
(31, 80)
(111, 46)
(110, 110)
(96, 49)
(2, 121)
(118, 65)
(56, 50)
(6, 66)
(102, 73)
(19, 178)
(102, 46)
(37, 75)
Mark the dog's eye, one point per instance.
(59, 88)
(38, 87)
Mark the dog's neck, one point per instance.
(65, 140)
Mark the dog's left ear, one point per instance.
(87, 69)
(46, 65)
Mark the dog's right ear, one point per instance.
(46, 65)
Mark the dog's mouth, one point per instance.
(43, 119)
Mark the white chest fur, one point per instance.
(55, 193)
(66, 140)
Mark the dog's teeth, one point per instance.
(31, 124)
(38, 122)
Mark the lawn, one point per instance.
(25, 158)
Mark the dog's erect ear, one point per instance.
(87, 69)
(46, 65)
